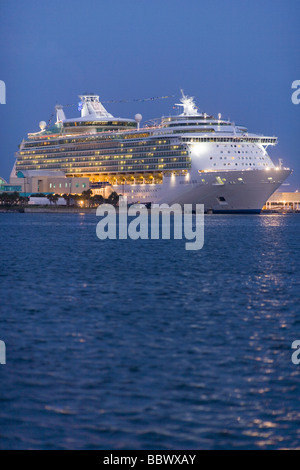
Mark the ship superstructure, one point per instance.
(189, 158)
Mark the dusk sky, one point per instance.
(236, 57)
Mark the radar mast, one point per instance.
(189, 106)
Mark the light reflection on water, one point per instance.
(143, 345)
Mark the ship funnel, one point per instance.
(91, 106)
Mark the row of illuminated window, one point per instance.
(81, 163)
(238, 145)
(230, 139)
(117, 168)
(100, 123)
(97, 151)
(66, 185)
(240, 158)
(243, 164)
(204, 123)
(97, 146)
(194, 131)
(21, 165)
(93, 139)
(49, 159)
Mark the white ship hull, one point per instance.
(242, 192)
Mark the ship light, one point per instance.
(199, 149)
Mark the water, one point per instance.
(143, 345)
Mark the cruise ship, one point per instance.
(188, 158)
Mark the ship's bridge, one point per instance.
(199, 122)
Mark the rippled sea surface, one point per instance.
(144, 345)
